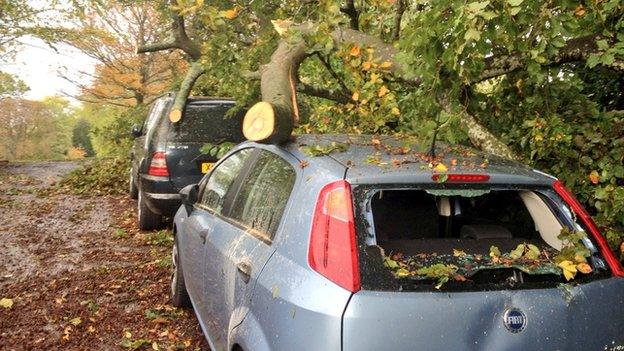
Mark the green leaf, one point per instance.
(477, 6)
(607, 59)
(593, 60)
(515, 10)
(515, 3)
(472, 34)
(517, 252)
(602, 44)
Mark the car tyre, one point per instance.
(134, 190)
(148, 220)
(179, 295)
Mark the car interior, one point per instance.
(429, 221)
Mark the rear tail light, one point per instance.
(578, 209)
(333, 250)
(158, 165)
(462, 178)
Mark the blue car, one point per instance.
(337, 242)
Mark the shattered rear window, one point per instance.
(430, 238)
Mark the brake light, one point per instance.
(463, 178)
(333, 250)
(576, 206)
(158, 165)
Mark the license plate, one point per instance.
(206, 166)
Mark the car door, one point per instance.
(241, 244)
(200, 225)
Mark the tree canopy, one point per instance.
(526, 79)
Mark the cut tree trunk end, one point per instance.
(266, 123)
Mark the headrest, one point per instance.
(484, 231)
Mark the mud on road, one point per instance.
(79, 273)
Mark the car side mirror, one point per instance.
(136, 131)
(189, 195)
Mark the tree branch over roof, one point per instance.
(179, 39)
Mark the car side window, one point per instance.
(155, 111)
(221, 179)
(263, 196)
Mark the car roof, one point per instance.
(400, 159)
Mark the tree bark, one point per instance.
(193, 73)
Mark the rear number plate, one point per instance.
(206, 166)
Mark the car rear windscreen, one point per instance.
(466, 238)
(208, 123)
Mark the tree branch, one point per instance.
(577, 49)
(352, 13)
(341, 97)
(194, 72)
(401, 6)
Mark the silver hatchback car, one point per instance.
(342, 242)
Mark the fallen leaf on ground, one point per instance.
(6, 302)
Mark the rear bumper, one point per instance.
(160, 195)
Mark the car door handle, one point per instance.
(245, 271)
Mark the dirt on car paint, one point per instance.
(79, 273)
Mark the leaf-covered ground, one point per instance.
(77, 274)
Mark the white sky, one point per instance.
(38, 66)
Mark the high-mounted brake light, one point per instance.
(578, 209)
(333, 249)
(158, 165)
(463, 178)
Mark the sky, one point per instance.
(39, 66)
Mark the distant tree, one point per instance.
(81, 138)
(27, 130)
(109, 32)
(11, 85)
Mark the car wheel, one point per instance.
(148, 220)
(179, 295)
(134, 190)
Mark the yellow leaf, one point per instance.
(355, 51)
(374, 78)
(386, 64)
(231, 14)
(383, 91)
(594, 177)
(494, 251)
(75, 321)
(356, 96)
(458, 253)
(440, 167)
(584, 268)
(396, 111)
(401, 273)
(6, 302)
(281, 26)
(127, 335)
(366, 65)
(568, 268)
